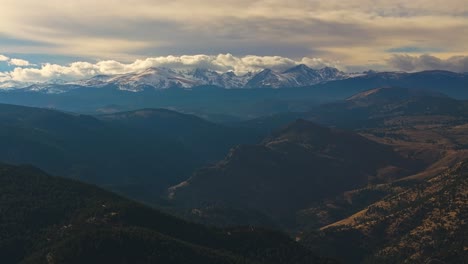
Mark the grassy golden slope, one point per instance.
(419, 220)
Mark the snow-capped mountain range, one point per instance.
(297, 76)
(164, 78)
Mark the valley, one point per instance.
(378, 170)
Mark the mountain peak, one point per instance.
(299, 68)
(329, 69)
(267, 78)
(230, 74)
(288, 170)
(266, 71)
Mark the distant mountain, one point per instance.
(290, 170)
(415, 221)
(161, 78)
(139, 153)
(337, 82)
(268, 79)
(227, 80)
(298, 76)
(164, 78)
(305, 76)
(371, 108)
(200, 91)
(377, 105)
(46, 219)
(449, 83)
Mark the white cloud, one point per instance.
(221, 62)
(3, 58)
(4, 77)
(19, 62)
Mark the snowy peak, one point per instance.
(297, 76)
(204, 74)
(304, 74)
(268, 79)
(159, 78)
(209, 77)
(164, 78)
(301, 68)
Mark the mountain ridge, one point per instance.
(161, 145)
(414, 221)
(47, 219)
(164, 78)
(317, 161)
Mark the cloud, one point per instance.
(352, 31)
(27, 72)
(3, 58)
(221, 63)
(429, 62)
(19, 62)
(413, 50)
(4, 77)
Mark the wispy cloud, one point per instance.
(412, 49)
(19, 62)
(429, 62)
(3, 58)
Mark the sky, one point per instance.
(56, 39)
